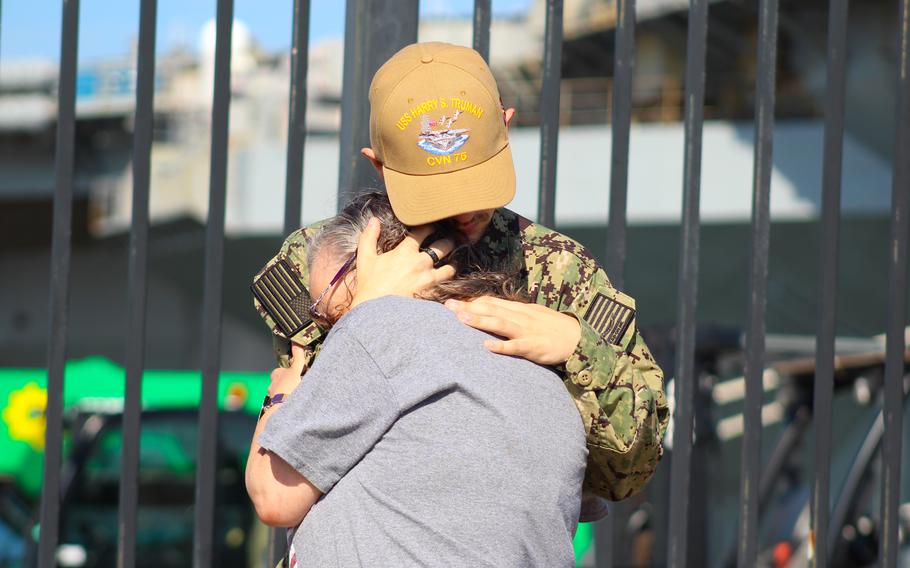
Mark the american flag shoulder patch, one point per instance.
(609, 317)
(283, 297)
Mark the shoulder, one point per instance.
(544, 246)
(293, 251)
(392, 329)
(299, 238)
(560, 270)
(383, 317)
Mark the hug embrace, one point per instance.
(458, 386)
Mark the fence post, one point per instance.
(481, 31)
(61, 248)
(549, 114)
(893, 410)
(300, 37)
(624, 68)
(681, 474)
(750, 469)
(827, 306)
(213, 287)
(138, 286)
(374, 30)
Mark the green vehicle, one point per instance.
(93, 403)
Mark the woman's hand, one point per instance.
(285, 380)
(402, 271)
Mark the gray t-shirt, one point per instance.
(431, 451)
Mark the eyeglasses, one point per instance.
(314, 311)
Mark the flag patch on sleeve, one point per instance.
(279, 290)
(610, 318)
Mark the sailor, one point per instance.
(579, 323)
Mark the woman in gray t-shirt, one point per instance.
(404, 445)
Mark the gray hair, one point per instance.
(340, 235)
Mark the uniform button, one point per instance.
(426, 58)
(585, 378)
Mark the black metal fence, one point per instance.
(375, 30)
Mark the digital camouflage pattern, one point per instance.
(617, 387)
(310, 337)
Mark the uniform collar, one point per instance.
(500, 245)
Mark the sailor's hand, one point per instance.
(534, 332)
(402, 271)
(286, 379)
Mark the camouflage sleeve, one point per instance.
(281, 297)
(618, 388)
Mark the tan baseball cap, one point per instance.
(437, 126)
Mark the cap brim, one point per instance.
(419, 199)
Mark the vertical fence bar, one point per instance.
(677, 549)
(211, 315)
(624, 68)
(603, 541)
(300, 37)
(138, 281)
(827, 306)
(59, 284)
(549, 114)
(750, 470)
(482, 18)
(893, 410)
(374, 31)
(355, 110)
(293, 195)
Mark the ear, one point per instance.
(507, 116)
(369, 154)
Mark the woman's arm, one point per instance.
(281, 495)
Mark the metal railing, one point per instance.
(374, 31)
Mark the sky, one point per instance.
(30, 29)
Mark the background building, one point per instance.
(258, 130)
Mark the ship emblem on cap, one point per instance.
(438, 137)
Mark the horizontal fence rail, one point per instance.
(374, 31)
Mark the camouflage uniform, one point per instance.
(615, 382)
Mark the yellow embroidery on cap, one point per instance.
(440, 160)
(424, 107)
(421, 108)
(466, 106)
